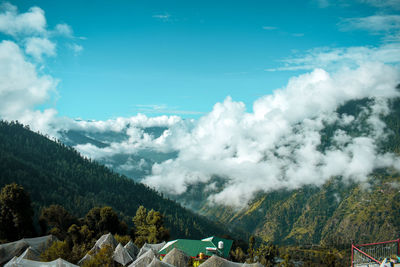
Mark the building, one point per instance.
(208, 246)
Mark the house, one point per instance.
(208, 246)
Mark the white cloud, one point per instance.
(375, 23)
(37, 47)
(276, 146)
(31, 22)
(64, 29)
(22, 88)
(30, 30)
(335, 58)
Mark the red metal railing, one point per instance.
(374, 252)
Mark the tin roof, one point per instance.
(194, 247)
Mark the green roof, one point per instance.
(194, 247)
(227, 244)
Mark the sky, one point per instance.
(242, 88)
(182, 57)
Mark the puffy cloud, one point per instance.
(21, 87)
(277, 145)
(31, 22)
(37, 47)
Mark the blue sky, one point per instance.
(182, 57)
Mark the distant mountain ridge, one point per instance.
(135, 165)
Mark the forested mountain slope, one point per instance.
(54, 173)
(339, 212)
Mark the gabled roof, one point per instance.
(194, 247)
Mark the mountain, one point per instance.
(337, 213)
(54, 173)
(135, 165)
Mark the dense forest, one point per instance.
(54, 173)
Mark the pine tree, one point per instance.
(149, 227)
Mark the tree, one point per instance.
(149, 227)
(266, 254)
(140, 224)
(58, 218)
(92, 218)
(104, 220)
(157, 231)
(238, 255)
(59, 249)
(16, 213)
(250, 250)
(109, 221)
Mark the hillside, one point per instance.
(336, 213)
(54, 173)
(339, 212)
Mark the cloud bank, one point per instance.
(276, 145)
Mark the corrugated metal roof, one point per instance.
(194, 247)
